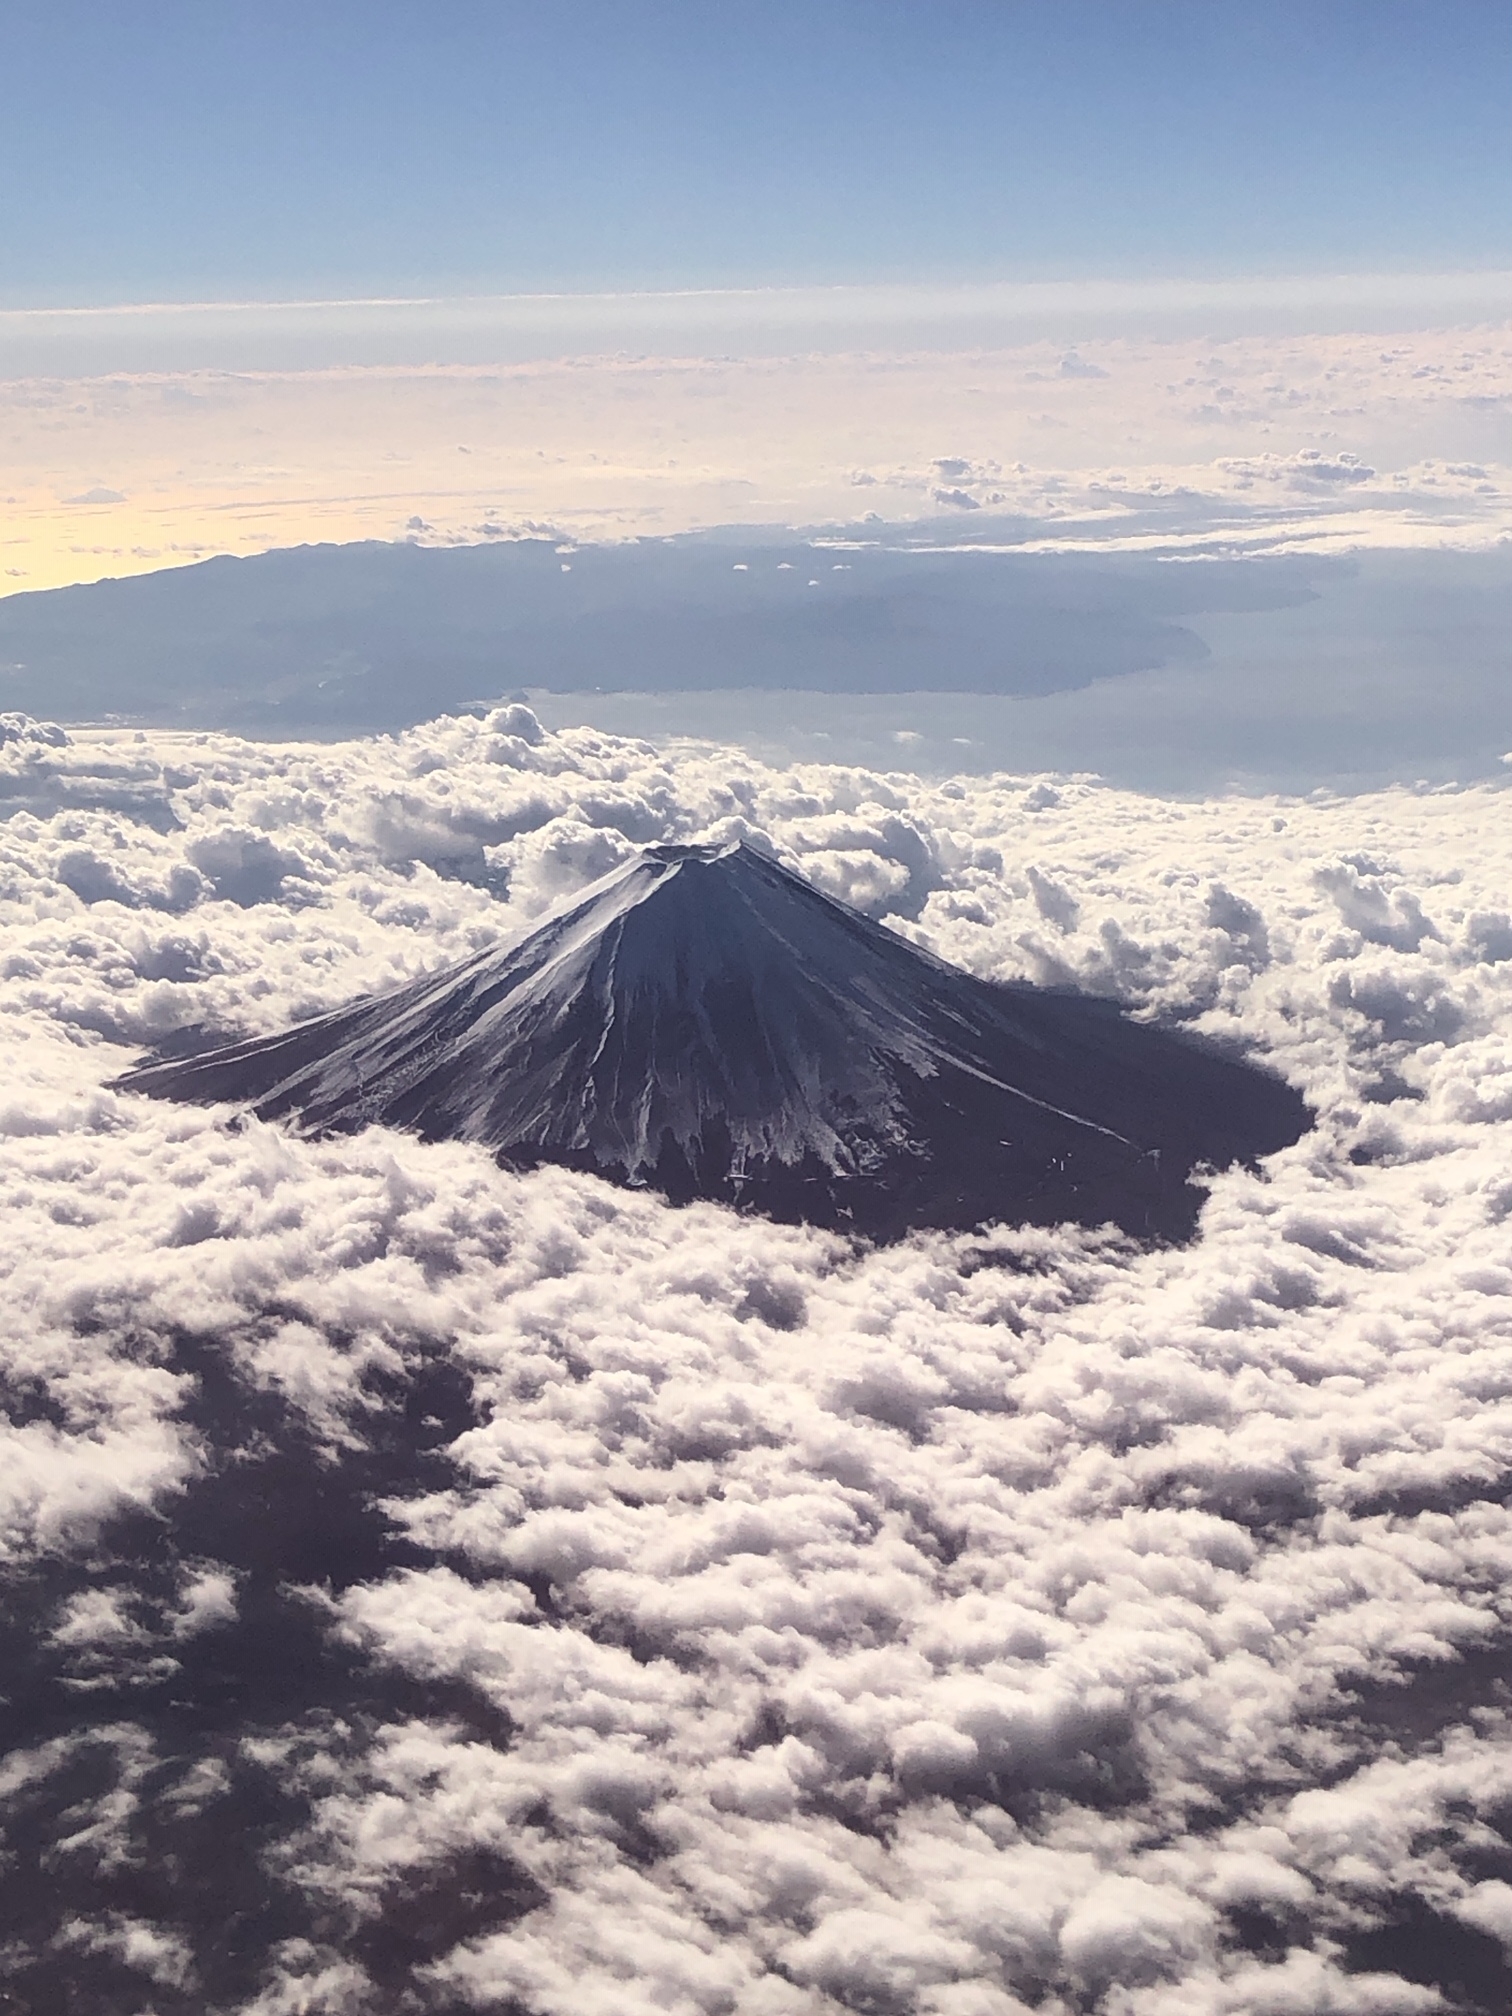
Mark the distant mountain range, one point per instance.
(335, 638)
(706, 1023)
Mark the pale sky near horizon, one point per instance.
(1077, 254)
(1258, 442)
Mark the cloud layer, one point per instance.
(1322, 442)
(431, 1588)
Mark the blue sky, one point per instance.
(184, 151)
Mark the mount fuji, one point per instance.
(705, 1023)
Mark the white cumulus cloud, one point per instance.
(509, 1592)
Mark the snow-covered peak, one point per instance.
(705, 1020)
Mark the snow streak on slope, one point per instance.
(707, 1021)
(429, 1587)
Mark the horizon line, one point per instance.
(1335, 283)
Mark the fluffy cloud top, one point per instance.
(430, 1588)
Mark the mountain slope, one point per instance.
(706, 1022)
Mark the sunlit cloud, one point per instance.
(1253, 440)
(987, 1622)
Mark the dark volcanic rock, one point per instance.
(705, 1022)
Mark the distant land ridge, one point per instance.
(706, 1023)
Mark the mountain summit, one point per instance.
(704, 1022)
